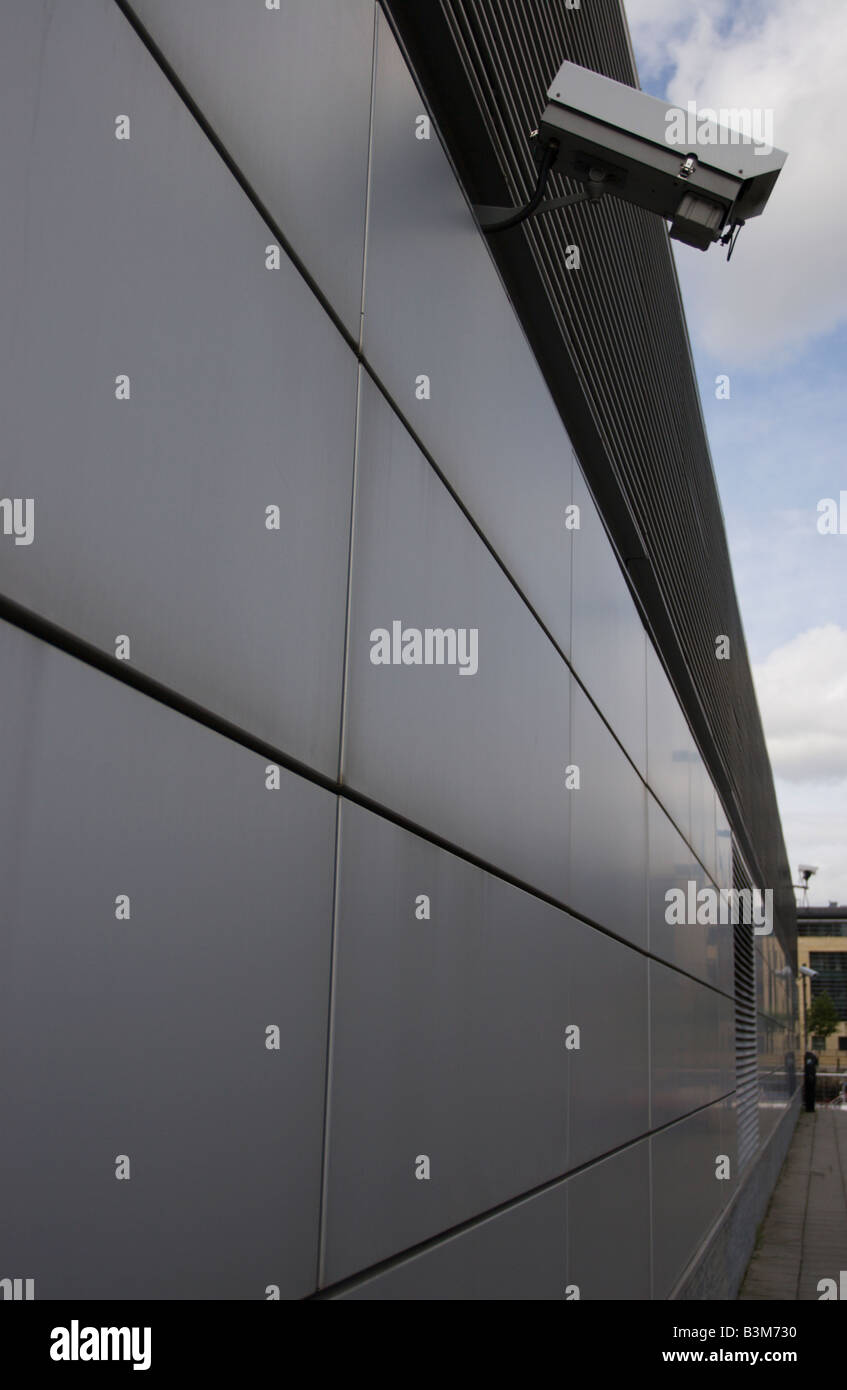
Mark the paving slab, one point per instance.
(803, 1238)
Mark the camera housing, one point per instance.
(616, 137)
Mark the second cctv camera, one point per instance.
(624, 142)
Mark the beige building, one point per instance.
(822, 947)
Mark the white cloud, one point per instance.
(788, 577)
(815, 829)
(802, 690)
(785, 284)
(653, 24)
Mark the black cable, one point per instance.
(733, 239)
(547, 161)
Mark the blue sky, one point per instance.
(774, 320)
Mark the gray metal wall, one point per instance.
(272, 804)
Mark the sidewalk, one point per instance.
(804, 1234)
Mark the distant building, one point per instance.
(822, 946)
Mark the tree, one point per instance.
(823, 1018)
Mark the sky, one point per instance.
(774, 320)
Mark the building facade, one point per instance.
(362, 714)
(822, 947)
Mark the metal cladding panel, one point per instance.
(435, 307)
(144, 1037)
(150, 512)
(778, 996)
(287, 92)
(703, 816)
(423, 1065)
(700, 949)
(723, 847)
(612, 341)
(609, 1075)
(519, 1254)
(687, 1195)
(608, 829)
(726, 1023)
(608, 637)
(691, 1044)
(774, 1073)
(670, 746)
(479, 759)
(729, 1142)
(609, 1227)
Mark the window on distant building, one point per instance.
(831, 977)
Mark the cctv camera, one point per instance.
(625, 142)
(806, 870)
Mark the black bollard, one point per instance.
(810, 1071)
